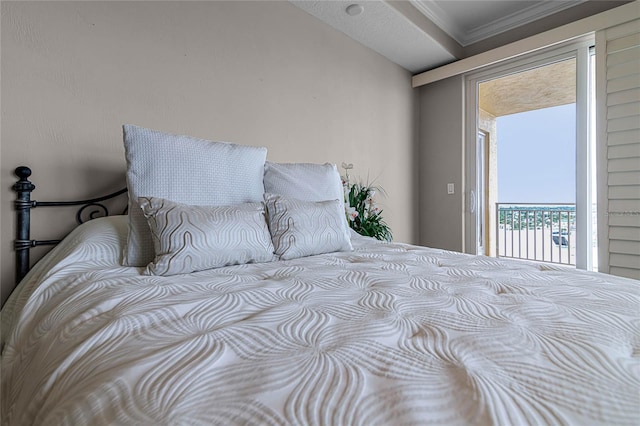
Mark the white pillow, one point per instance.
(185, 170)
(304, 228)
(195, 238)
(304, 181)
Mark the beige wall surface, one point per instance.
(255, 73)
(440, 156)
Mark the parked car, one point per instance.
(560, 238)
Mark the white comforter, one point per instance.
(387, 334)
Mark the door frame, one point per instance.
(578, 49)
(482, 189)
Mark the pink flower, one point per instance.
(351, 213)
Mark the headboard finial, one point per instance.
(23, 185)
(23, 172)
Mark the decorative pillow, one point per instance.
(185, 170)
(304, 181)
(304, 228)
(194, 238)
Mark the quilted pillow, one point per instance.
(304, 228)
(185, 170)
(303, 181)
(195, 238)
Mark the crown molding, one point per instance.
(514, 20)
(534, 12)
(571, 31)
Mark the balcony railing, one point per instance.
(542, 232)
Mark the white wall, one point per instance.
(256, 73)
(441, 156)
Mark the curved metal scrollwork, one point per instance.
(93, 214)
(23, 205)
(85, 204)
(102, 210)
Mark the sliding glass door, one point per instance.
(535, 224)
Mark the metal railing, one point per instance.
(541, 232)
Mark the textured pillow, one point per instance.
(304, 228)
(185, 170)
(303, 181)
(194, 238)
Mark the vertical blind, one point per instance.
(619, 81)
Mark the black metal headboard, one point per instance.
(23, 204)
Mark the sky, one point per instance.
(536, 156)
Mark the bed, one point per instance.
(376, 333)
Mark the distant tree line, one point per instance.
(535, 217)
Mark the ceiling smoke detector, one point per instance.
(354, 9)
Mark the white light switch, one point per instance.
(450, 188)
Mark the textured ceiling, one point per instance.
(423, 34)
(383, 29)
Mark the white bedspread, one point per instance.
(388, 334)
